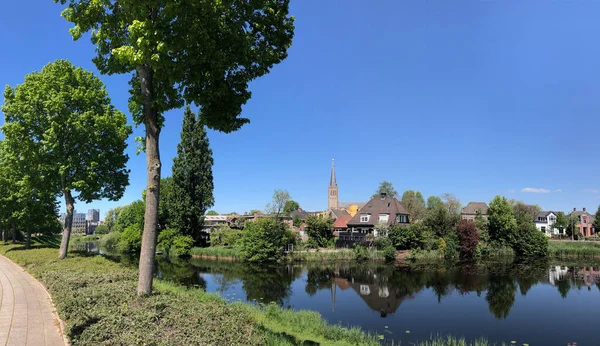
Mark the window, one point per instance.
(584, 219)
(544, 229)
(402, 218)
(384, 217)
(388, 205)
(365, 217)
(365, 290)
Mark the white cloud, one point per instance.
(558, 190)
(590, 190)
(535, 190)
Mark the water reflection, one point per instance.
(382, 288)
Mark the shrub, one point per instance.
(226, 237)
(174, 243)
(264, 240)
(440, 244)
(389, 253)
(131, 238)
(381, 243)
(530, 242)
(468, 238)
(405, 237)
(452, 246)
(319, 231)
(111, 240)
(361, 253)
(101, 229)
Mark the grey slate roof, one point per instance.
(472, 208)
(378, 205)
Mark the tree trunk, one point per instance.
(64, 244)
(28, 241)
(14, 232)
(146, 265)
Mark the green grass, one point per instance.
(329, 255)
(97, 300)
(574, 250)
(215, 251)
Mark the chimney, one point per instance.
(574, 209)
(584, 209)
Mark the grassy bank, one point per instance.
(97, 300)
(574, 249)
(217, 252)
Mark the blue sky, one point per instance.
(476, 98)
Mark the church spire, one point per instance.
(332, 181)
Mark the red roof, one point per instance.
(342, 221)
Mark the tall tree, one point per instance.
(290, 206)
(62, 120)
(452, 205)
(387, 188)
(277, 205)
(434, 202)
(414, 204)
(202, 52)
(502, 224)
(525, 213)
(561, 223)
(596, 223)
(192, 178)
(212, 213)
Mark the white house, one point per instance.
(544, 221)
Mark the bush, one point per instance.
(320, 231)
(131, 239)
(361, 253)
(406, 237)
(468, 239)
(111, 240)
(389, 253)
(225, 237)
(101, 229)
(452, 246)
(264, 240)
(440, 245)
(173, 243)
(530, 242)
(381, 243)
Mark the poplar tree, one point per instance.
(60, 124)
(203, 52)
(192, 178)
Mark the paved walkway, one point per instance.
(27, 316)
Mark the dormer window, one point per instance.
(388, 205)
(365, 217)
(384, 217)
(402, 218)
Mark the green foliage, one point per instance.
(101, 229)
(297, 222)
(579, 250)
(406, 237)
(131, 214)
(439, 220)
(319, 231)
(572, 229)
(441, 245)
(226, 237)
(173, 243)
(433, 203)
(211, 213)
(131, 238)
(531, 242)
(389, 253)
(452, 249)
(264, 240)
(277, 205)
(290, 206)
(387, 188)
(216, 252)
(111, 240)
(562, 222)
(596, 223)
(502, 224)
(361, 253)
(192, 178)
(525, 212)
(110, 219)
(414, 203)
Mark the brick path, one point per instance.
(27, 316)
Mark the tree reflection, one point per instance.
(500, 295)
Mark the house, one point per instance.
(214, 222)
(585, 222)
(544, 222)
(380, 210)
(470, 211)
(340, 224)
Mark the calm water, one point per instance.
(538, 304)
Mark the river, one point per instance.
(536, 304)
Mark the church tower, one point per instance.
(332, 202)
